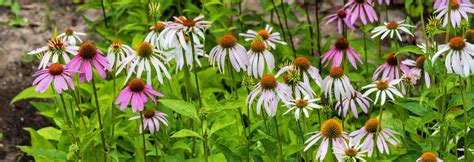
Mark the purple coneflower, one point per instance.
(269, 38)
(259, 56)
(369, 135)
(336, 83)
(392, 28)
(137, 92)
(56, 73)
(352, 100)
(389, 69)
(458, 11)
(384, 88)
(417, 69)
(429, 157)
(88, 56)
(336, 54)
(305, 67)
(236, 53)
(331, 134)
(177, 30)
(361, 9)
(56, 50)
(151, 120)
(341, 16)
(270, 92)
(71, 36)
(118, 52)
(348, 150)
(305, 104)
(153, 35)
(459, 55)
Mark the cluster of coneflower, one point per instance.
(180, 42)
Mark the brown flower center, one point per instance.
(341, 13)
(159, 26)
(336, 72)
(136, 85)
(381, 84)
(56, 43)
(149, 113)
(189, 22)
(419, 61)
(454, 4)
(392, 25)
(301, 103)
(360, 1)
(264, 34)
(69, 31)
(302, 63)
(227, 41)
(331, 129)
(371, 125)
(145, 49)
(352, 152)
(258, 46)
(55, 69)
(391, 59)
(341, 44)
(428, 157)
(87, 50)
(268, 82)
(470, 35)
(457, 43)
(116, 44)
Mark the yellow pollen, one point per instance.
(381, 84)
(371, 125)
(457, 43)
(227, 41)
(264, 34)
(136, 85)
(336, 72)
(331, 128)
(268, 82)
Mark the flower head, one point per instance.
(458, 10)
(429, 157)
(181, 27)
(392, 28)
(390, 69)
(331, 133)
(352, 100)
(57, 74)
(383, 88)
(459, 55)
(303, 67)
(336, 83)
(336, 54)
(374, 131)
(268, 37)
(348, 150)
(236, 53)
(71, 36)
(259, 56)
(342, 17)
(270, 92)
(304, 105)
(117, 52)
(137, 92)
(185, 56)
(361, 9)
(88, 58)
(416, 70)
(56, 51)
(151, 120)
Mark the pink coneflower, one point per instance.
(341, 16)
(459, 55)
(383, 88)
(440, 3)
(259, 56)
(336, 83)
(389, 69)
(352, 100)
(57, 50)
(230, 49)
(304, 66)
(269, 38)
(331, 134)
(429, 157)
(88, 56)
(151, 120)
(270, 92)
(459, 10)
(56, 73)
(137, 92)
(361, 9)
(336, 54)
(369, 135)
(417, 68)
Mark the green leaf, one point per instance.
(181, 107)
(185, 133)
(15, 8)
(31, 93)
(218, 125)
(411, 49)
(50, 154)
(413, 106)
(50, 133)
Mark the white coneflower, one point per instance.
(147, 59)
(370, 136)
(293, 80)
(259, 57)
(269, 38)
(331, 133)
(429, 157)
(458, 10)
(184, 56)
(384, 89)
(118, 52)
(352, 100)
(55, 50)
(151, 120)
(348, 150)
(178, 30)
(392, 28)
(71, 36)
(153, 35)
(304, 105)
(459, 56)
(270, 92)
(417, 68)
(228, 48)
(336, 83)
(307, 70)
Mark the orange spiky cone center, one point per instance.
(87, 50)
(227, 41)
(428, 157)
(302, 63)
(331, 128)
(268, 82)
(136, 85)
(258, 46)
(336, 72)
(371, 125)
(149, 113)
(457, 43)
(264, 34)
(55, 69)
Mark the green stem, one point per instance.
(366, 56)
(318, 39)
(143, 135)
(155, 135)
(465, 108)
(94, 89)
(279, 20)
(103, 12)
(112, 110)
(288, 29)
(302, 137)
(279, 138)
